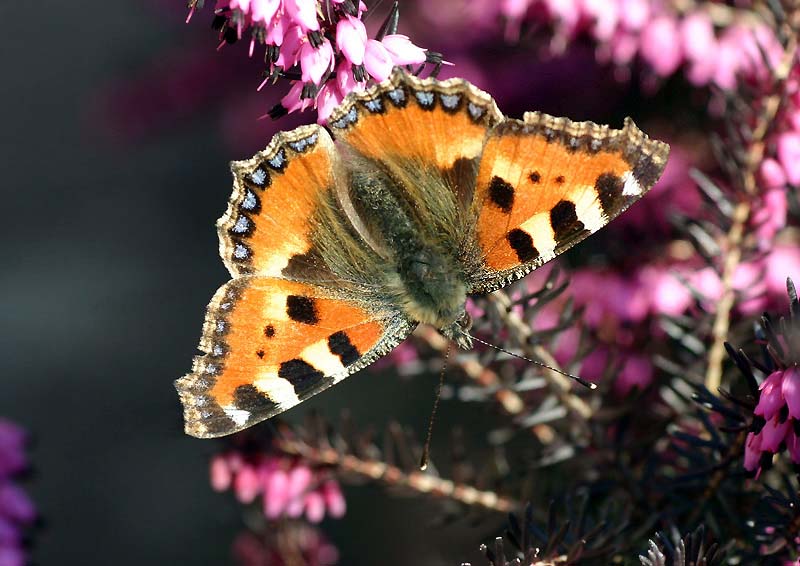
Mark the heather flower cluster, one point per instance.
(287, 486)
(17, 512)
(323, 46)
(662, 36)
(779, 423)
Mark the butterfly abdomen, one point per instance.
(422, 270)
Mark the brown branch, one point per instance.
(735, 237)
(560, 385)
(377, 470)
(508, 399)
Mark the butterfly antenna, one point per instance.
(426, 450)
(580, 380)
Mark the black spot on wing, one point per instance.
(560, 179)
(564, 220)
(609, 188)
(535, 177)
(302, 375)
(501, 194)
(248, 398)
(302, 309)
(522, 243)
(340, 345)
(269, 331)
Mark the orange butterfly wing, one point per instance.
(270, 343)
(269, 216)
(545, 183)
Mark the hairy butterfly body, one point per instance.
(339, 249)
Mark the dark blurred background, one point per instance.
(119, 122)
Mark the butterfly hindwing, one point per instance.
(270, 343)
(545, 183)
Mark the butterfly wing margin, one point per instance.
(270, 214)
(546, 183)
(269, 344)
(419, 128)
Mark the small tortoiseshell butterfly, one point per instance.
(339, 249)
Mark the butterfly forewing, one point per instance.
(544, 184)
(270, 216)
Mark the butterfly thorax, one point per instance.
(422, 269)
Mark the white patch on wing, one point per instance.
(541, 232)
(319, 355)
(588, 208)
(631, 188)
(239, 416)
(277, 389)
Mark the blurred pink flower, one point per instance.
(17, 511)
(289, 544)
(288, 487)
(789, 155)
(661, 46)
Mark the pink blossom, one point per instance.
(288, 486)
(661, 45)
(328, 98)
(303, 13)
(351, 39)
(636, 372)
(316, 62)
(264, 10)
(771, 174)
(402, 51)
(377, 60)
(779, 399)
(789, 155)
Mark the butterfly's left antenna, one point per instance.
(426, 450)
(580, 380)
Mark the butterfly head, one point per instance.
(458, 332)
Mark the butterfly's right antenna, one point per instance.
(580, 380)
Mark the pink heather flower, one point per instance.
(377, 60)
(636, 372)
(293, 40)
(661, 46)
(288, 487)
(789, 155)
(779, 406)
(263, 10)
(328, 98)
(351, 39)
(771, 174)
(402, 51)
(770, 216)
(17, 511)
(292, 101)
(303, 13)
(316, 62)
(697, 36)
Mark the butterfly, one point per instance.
(340, 245)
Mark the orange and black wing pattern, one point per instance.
(269, 344)
(437, 127)
(270, 215)
(545, 183)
